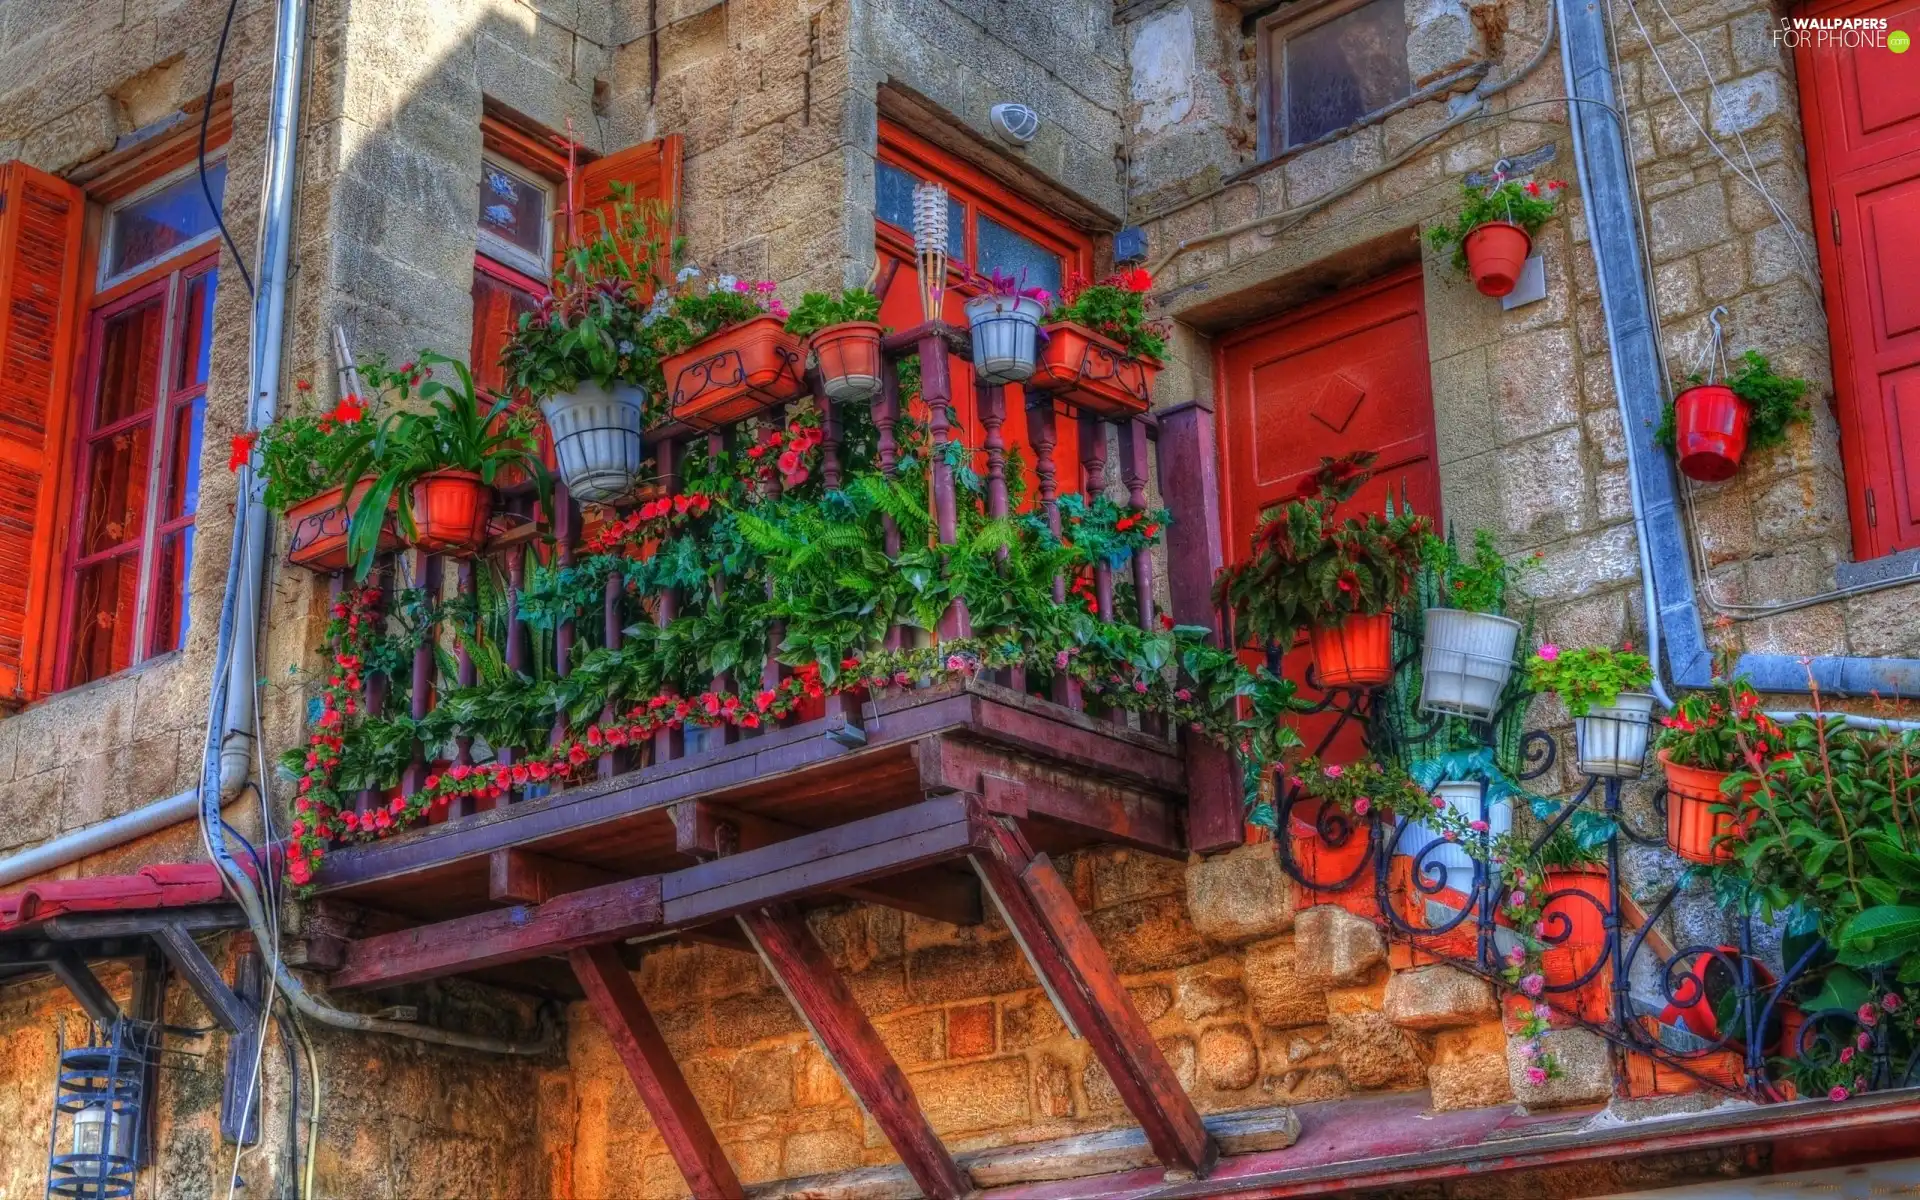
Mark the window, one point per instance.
(516, 218)
(1326, 70)
(168, 219)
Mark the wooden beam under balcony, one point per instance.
(1093, 808)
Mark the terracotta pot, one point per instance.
(1330, 865)
(1565, 961)
(450, 511)
(1692, 827)
(848, 356)
(1358, 652)
(318, 529)
(1496, 252)
(1709, 432)
(743, 370)
(1092, 372)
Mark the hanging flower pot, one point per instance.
(1611, 739)
(848, 355)
(1006, 336)
(1577, 908)
(1461, 797)
(317, 528)
(743, 370)
(1693, 828)
(1496, 254)
(450, 511)
(1709, 432)
(1358, 652)
(596, 438)
(1093, 373)
(1466, 663)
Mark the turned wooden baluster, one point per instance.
(771, 672)
(886, 413)
(936, 391)
(614, 760)
(373, 684)
(723, 682)
(467, 580)
(1043, 432)
(668, 744)
(840, 706)
(426, 572)
(518, 657)
(990, 400)
(1133, 469)
(566, 534)
(1093, 468)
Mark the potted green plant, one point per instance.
(1612, 717)
(1004, 321)
(1702, 744)
(1469, 643)
(436, 467)
(586, 352)
(843, 338)
(1337, 579)
(729, 355)
(1493, 234)
(1710, 426)
(1099, 350)
(1329, 823)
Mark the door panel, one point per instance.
(1862, 117)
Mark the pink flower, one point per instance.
(1140, 685)
(1518, 900)
(1837, 1094)
(1060, 661)
(1362, 806)
(1863, 1041)
(1333, 770)
(955, 662)
(1869, 1016)
(1536, 1075)
(1477, 826)
(1438, 802)
(1846, 1055)
(1549, 652)
(1517, 955)
(1890, 1002)
(1182, 694)
(1533, 984)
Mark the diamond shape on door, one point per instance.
(1337, 403)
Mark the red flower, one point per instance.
(1533, 189)
(348, 411)
(242, 450)
(577, 754)
(1137, 280)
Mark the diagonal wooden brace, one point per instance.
(1040, 911)
(827, 1005)
(663, 1089)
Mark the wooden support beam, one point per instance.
(1097, 810)
(240, 1091)
(656, 1076)
(1216, 799)
(603, 914)
(823, 999)
(517, 876)
(1065, 955)
(231, 1012)
(86, 988)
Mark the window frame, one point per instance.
(1270, 140)
(492, 246)
(114, 285)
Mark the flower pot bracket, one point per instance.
(717, 390)
(1092, 372)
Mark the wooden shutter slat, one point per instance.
(652, 169)
(41, 219)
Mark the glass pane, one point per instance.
(497, 306)
(893, 203)
(1017, 255)
(104, 600)
(171, 566)
(183, 472)
(1342, 70)
(130, 345)
(116, 483)
(196, 331)
(513, 209)
(154, 226)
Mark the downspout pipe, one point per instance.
(1613, 227)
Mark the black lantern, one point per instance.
(99, 1105)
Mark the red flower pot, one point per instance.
(1358, 652)
(450, 511)
(1092, 372)
(742, 370)
(1709, 432)
(1327, 865)
(1496, 252)
(1694, 830)
(848, 355)
(1584, 912)
(318, 529)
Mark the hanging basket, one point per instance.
(317, 529)
(1358, 652)
(450, 511)
(1694, 830)
(1093, 373)
(1709, 432)
(1006, 337)
(596, 438)
(1466, 663)
(739, 372)
(1462, 797)
(1496, 254)
(1611, 740)
(848, 356)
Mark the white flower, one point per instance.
(726, 283)
(687, 272)
(625, 346)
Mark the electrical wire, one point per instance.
(206, 120)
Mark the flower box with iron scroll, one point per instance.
(317, 529)
(741, 371)
(1092, 372)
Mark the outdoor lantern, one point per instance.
(98, 1107)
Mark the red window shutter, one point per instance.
(41, 219)
(652, 169)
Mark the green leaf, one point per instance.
(1880, 935)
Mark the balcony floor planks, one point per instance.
(793, 773)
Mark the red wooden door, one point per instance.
(1862, 110)
(1344, 374)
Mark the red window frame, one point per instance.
(170, 280)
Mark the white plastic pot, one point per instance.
(1466, 663)
(596, 438)
(1462, 798)
(1612, 740)
(1006, 337)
